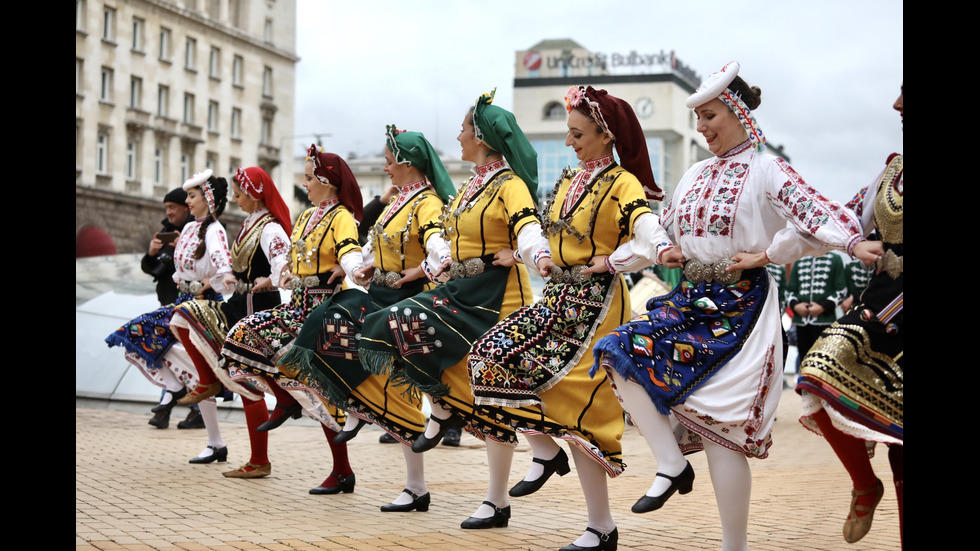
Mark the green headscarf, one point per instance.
(498, 128)
(411, 148)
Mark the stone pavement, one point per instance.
(134, 490)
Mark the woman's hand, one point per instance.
(336, 272)
(868, 252)
(446, 263)
(364, 275)
(597, 265)
(284, 278)
(409, 275)
(673, 257)
(504, 258)
(545, 264)
(747, 261)
(228, 281)
(261, 283)
(389, 192)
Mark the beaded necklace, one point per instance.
(379, 235)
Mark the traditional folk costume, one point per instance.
(324, 237)
(325, 355)
(852, 381)
(815, 279)
(149, 342)
(259, 251)
(710, 352)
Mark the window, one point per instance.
(214, 63)
(132, 159)
(190, 54)
(214, 9)
(555, 111)
(138, 26)
(212, 161)
(105, 90)
(163, 101)
(158, 165)
(236, 70)
(236, 123)
(185, 167)
(267, 34)
(266, 137)
(233, 164)
(102, 153)
(79, 74)
(212, 116)
(189, 108)
(135, 92)
(267, 82)
(235, 13)
(109, 24)
(164, 44)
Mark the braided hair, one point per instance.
(219, 187)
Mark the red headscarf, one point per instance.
(330, 168)
(615, 117)
(257, 184)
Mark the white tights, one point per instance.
(414, 477)
(731, 477)
(500, 455)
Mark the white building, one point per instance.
(655, 85)
(165, 88)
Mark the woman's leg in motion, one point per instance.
(414, 476)
(341, 471)
(500, 455)
(592, 477)
(440, 413)
(205, 375)
(543, 447)
(732, 481)
(853, 453)
(655, 429)
(256, 413)
(209, 412)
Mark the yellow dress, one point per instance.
(325, 356)
(256, 343)
(532, 369)
(423, 341)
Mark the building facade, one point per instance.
(655, 85)
(167, 88)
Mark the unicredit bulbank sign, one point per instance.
(657, 62)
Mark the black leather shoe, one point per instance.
(160, 420)
(557, 464)
(423, 444)
(345, 485)
(217, 454)
(681, 483)
(499, 519)
(452, 437)
(194, 420)
(174, 396)
(347, 435)
(387, 439)
(607, 542)
(294, 411)
(419, 503)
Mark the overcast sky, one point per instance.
(829, 70)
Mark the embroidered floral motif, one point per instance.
(709, 206)
(809, 210)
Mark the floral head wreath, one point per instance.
(313, 154)
(390, 134)
(252, 189)
(716, 86)
(202, 180)
(575, 96)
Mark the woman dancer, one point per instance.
(710, 352)
(202, 261)
(423, 341)
(325, 356)
(532, 368)
(258, 254)
(852, 380)
(324, 247)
